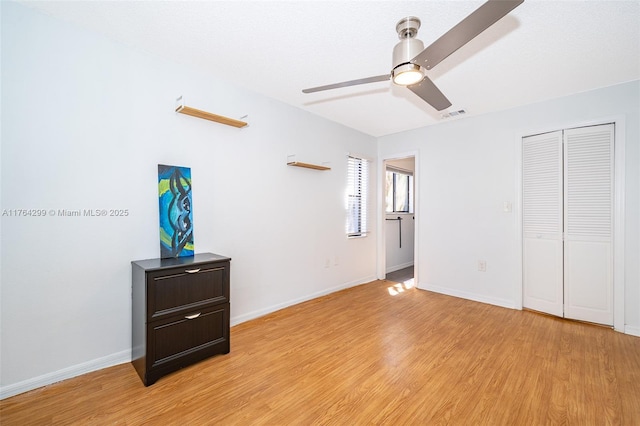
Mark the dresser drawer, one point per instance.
(171, 340)
(173, 291)
(179, 312)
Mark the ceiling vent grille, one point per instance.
(450, 114)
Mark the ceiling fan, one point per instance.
(411, 59)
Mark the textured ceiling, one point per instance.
(541, 50)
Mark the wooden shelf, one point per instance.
(307, 165)
(183, 109)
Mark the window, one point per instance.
(357, 181)
(399, 191)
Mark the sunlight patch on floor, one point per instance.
(398, 288)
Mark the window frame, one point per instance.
(410, 202)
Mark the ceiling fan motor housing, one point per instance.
(408, 48)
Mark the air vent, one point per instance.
(456, 113)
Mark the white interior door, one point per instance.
(542, 223)
(567, 184)
(588, 217)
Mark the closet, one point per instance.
(567, 221)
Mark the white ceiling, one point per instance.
(541, 50)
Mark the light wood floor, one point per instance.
(365, 356)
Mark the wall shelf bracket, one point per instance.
(183, 109)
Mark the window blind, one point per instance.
(357, 191)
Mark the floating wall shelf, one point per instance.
(308, 166)
(291, 161)
(182, 109)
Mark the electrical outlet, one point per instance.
(327, 263)
(482, 265)
(336, 261)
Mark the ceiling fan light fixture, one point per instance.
(407, 74)
(411, 60)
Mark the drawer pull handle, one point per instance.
(192, 271)
(194, 316)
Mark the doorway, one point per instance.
(398, 198)
(567, 222)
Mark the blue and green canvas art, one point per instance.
(176, 215)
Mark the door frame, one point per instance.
(381, 252)
(618, 209)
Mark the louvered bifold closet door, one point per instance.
(542, 222)
(588, 216)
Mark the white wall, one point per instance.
(468, 170)
(85, 123)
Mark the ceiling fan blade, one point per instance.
(348, 83)
(430, 94)
(479, 20)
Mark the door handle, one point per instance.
(192, 271)
(194, 316)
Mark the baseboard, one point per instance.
(262, 312)
(65, 373)
(634, 331)
(470, 296)
(398, 267)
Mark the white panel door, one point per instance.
(588, 221)
(542, 223)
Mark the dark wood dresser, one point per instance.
(180, 312)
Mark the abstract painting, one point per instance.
(176, 215)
